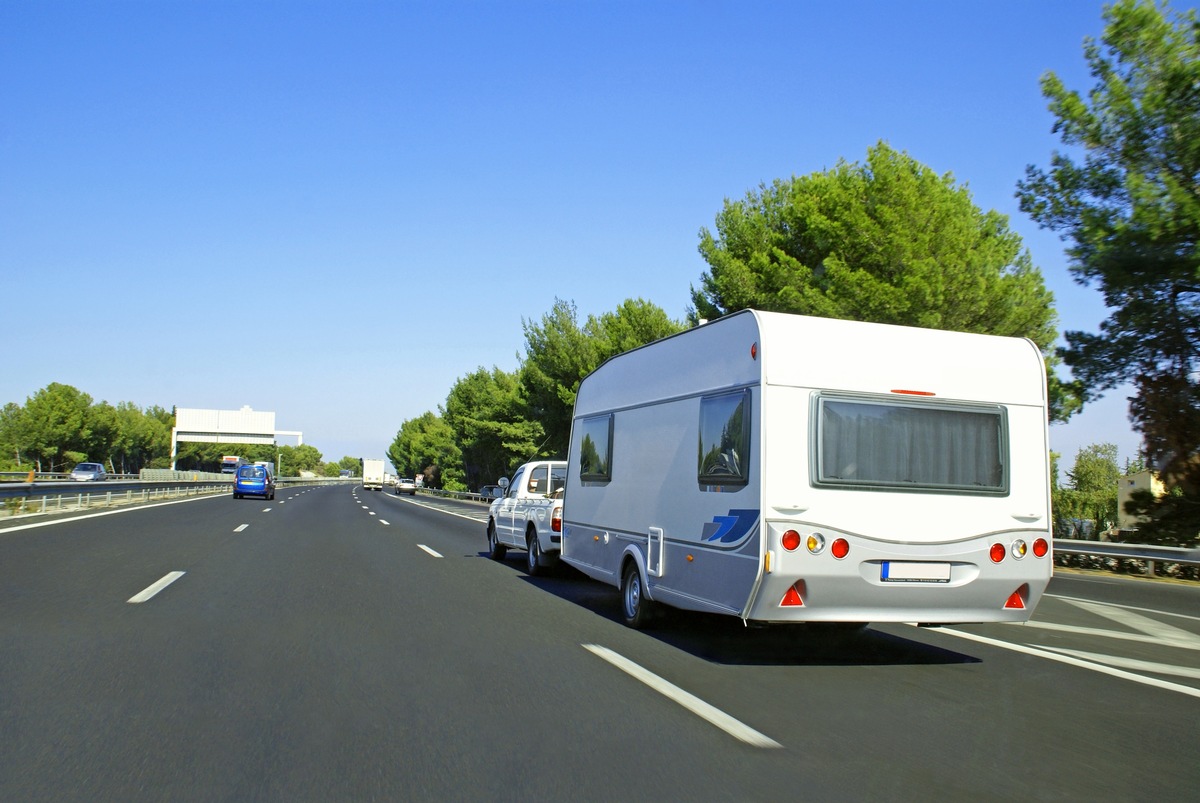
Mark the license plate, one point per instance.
(907, 571)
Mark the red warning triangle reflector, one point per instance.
(792, 597)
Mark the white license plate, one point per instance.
(907, 571)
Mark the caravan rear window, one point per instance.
(897, 446)
(724, 457)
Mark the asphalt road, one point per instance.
(337, 644)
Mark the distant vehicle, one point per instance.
(490, 492)
(89, 472)
(529, 514)
(345, 473)
(405, 485)
(372, 474)
(231, 463)
(267, 464)
(783, 468)
(254, 481)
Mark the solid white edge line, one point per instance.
(1066, 659)
(430, 551)
(689, 701)
(133, 509)
(150, 591)
(447, 512)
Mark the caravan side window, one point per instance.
(595, 449)
(724, 457)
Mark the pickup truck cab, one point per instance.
(529, 515)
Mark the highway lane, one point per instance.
(357, 645)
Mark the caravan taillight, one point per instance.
(840, 548)
(997, 553)
(1040, 548)
(790, 540)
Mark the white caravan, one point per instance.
(783, 468)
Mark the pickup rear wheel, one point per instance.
(636, 608)
(496, 550)
(533, 554)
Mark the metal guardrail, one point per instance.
(21, 499)
(1150, 555)
(28, 499)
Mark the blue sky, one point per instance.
(333, 210)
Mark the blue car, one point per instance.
(253, 481)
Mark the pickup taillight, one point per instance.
(556, 520)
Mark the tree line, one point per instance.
(889, 240)
(60, 426)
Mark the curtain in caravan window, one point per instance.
(907, 446)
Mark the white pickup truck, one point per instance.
(529, 514)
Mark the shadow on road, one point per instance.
(725, 640)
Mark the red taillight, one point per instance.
(997, 553)
(790, 540)
(840, 548)
(792, 597)
(1017, 598)
(556, 520)
(1040, 548)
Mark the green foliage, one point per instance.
(559, 354)
(888, 241)
(56, 427)
(294, 459)
(486, 412)
(1131, 212)
(425, 447)
(1092, 492)
(493, 420)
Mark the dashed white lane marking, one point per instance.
(266, 510)
(689, 701)
(383, 521)
(150, 591)
(240, 527)
(430, 551)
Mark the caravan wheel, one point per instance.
(635, 607)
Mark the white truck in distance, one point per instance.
(372, 474)
(529, 514)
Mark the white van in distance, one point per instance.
(783, 468)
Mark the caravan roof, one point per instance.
(752, 347)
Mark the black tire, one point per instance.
(533, 554)
(496, 550)
(636, 609)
